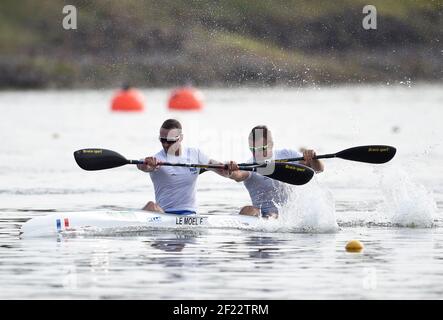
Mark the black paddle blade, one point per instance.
(98, 159)
(291, 173)
(369, 154)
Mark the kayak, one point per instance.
(114, 222)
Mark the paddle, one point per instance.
(99, 159)
(369, 154)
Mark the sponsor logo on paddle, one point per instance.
(300, 169)
(378, 150)
(94, 151)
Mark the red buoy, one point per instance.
(186, 99)
(128, 100)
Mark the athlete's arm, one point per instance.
(222, 172)
(239, 176)
(228, 172)
(232, 171)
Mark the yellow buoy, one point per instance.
(354, 246)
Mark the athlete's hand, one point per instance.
(310, 161)
(149, 164)
(308, 155)
(152, 163)
(231, 167)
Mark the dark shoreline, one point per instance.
(206, 43)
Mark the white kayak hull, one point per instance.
(65, 223)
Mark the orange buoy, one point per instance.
(186, 99)
(128, 100)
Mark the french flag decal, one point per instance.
(58, 223)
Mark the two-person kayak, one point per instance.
(113, 222)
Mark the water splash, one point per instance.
(406, 203)
(310, 208)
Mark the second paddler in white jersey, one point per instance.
(175, 187)
(267, 194)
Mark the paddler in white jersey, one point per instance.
(265, 192)
(175, 187)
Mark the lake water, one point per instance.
(394, 209)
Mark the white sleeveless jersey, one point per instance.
(175, 187)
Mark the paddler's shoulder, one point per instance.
(195, 153)
(286, 153)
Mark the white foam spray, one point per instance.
(406, 203)
(310, 208)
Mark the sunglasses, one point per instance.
(262, 148)
(169, 140)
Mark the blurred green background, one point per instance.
(218, 43)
